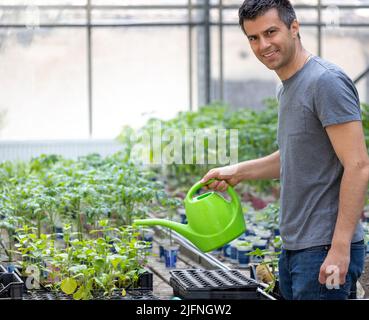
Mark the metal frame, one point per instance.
(206, 22)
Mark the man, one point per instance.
(322, 161)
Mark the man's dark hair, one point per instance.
(251, 9)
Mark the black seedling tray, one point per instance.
(44, 294)
(145, 281)
(11, 286)
(142, 290)
(2, 269)
(213, 284)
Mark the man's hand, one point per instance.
(337, 262)
(264, 168)
(348, 141)
(224, 176)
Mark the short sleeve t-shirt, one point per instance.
(318, 95)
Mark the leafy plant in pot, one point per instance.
(9, 225)
(36, 254)
(92, 265)
(85, 269)
(266, 271)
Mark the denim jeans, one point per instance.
(299, 273)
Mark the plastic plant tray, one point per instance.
(11, 286)
(213, 284)
(142, 290)
(51, 295)
(3, 269)
(145, 281)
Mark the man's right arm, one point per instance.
(258, 169)
(261, 169)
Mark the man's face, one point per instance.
(270, 39)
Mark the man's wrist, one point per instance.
(341, 245)
(245, 170)
(239, 172)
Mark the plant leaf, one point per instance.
(68, 285)
(79, 293)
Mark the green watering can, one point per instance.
(212, 220)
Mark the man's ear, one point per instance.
(295, 28)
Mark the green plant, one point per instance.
(84, 268)
(268, 217)
(244, 244)
(50, 191)
(35, 250)
(269, 260)
(8, 224)
(256, 138)
(172, 204)
(365, 121)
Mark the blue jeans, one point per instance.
(299, 273)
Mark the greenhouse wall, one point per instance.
(121, 65)
(72, 149)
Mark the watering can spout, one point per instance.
(182, 229)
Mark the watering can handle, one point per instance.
(199, 185)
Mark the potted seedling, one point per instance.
(170, 249)
(87, 268)
(35, 251)
(7, 243)
(266, 270)
(277, 243)
(101, 269)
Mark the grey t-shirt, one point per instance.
(318, 95)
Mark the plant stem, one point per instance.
(38, 226)
(6, 250)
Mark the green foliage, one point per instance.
(256, 138)
(85, 268)
(365, 120)
(267, 217)
(270, 260)
(49, 191)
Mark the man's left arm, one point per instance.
(349, 144)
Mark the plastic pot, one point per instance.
(148, 236)
(170, 254)
(242, 255)
(234, 251)
(250, 231)
(163, 243)
(182, 215)
(227, 251)
(259, 244)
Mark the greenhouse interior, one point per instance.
(215, 169)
